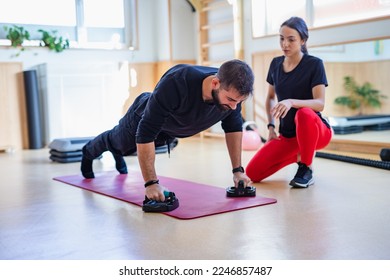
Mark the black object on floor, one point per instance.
(240, 191)
(356, 124)
(355, 160)
(65, 157)
(347, 129)
(171, 203)
(34, 110)
(378, 127)
(385, 154)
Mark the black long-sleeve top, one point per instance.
(177, 109)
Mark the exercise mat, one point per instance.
(196, 200)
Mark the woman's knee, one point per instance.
(252, 168)
(305, 113)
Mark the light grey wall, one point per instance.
(184, 26)
(161, 29)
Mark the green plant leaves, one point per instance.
(54, 42)
(359, 96)
(17, 35)
(348, 101)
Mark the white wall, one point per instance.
(184, 31)
(161, 28)
(81, 99)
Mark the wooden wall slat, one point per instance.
(13, 121)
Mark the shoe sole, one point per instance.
(88, 175)
(298, 185)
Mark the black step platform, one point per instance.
(356, 124)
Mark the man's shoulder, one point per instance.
(194, 68)
(188, 72)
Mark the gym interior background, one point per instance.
(85, 89)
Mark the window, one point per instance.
(95, 13)
(51, 16)
(268, 15)
(328, 12)
(86, 23)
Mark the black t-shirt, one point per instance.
(296, 84)
(176, 107)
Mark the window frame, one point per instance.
(309, 18)
(78, 34)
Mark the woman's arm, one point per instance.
(270, 103)
(317, 103)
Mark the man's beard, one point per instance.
(217, 102)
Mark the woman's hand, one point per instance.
(281, 109)
(272, 134)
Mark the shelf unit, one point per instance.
(220, 36)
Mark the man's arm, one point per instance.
(146, 156)
(234, 146)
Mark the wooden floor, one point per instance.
(345, 215)
(366, 144)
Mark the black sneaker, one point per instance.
(303, 178)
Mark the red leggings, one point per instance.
(311, 135)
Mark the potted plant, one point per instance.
(17, 35)
(52, 41)
(359, 96)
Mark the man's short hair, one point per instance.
(238, 75)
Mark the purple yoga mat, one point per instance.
(196, 200)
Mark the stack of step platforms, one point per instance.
(356, 124)
(66, 150)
